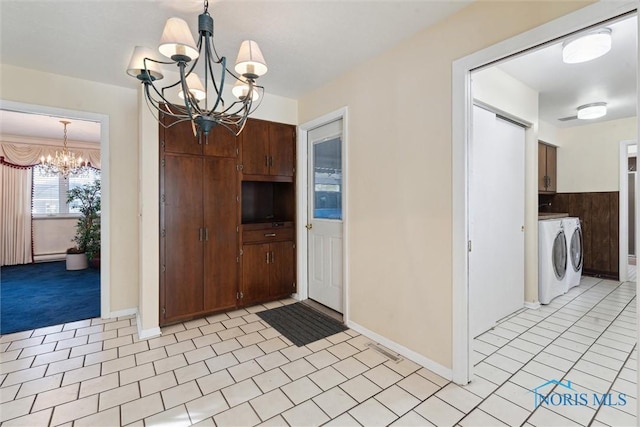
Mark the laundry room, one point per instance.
(571, 214)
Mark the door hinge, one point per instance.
(237, 260)
(162, 163)
(237, 229)
(163, 198)
(164, 268)
(162, 143)
(164, 312)
(294, 246)
(241, 252)
(163, 233)
(293, 285)
(469, 245)
(238, 199)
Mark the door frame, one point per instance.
(302, 208)
(624, 210)
(105, 222)
(462, 102)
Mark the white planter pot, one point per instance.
(77, 262)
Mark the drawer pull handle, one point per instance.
(270, 235)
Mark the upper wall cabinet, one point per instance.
(547, 164)
(179, 138)
(268, 150)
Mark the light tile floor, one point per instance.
(234, 370)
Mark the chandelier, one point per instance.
(64, 163)
(177, 43)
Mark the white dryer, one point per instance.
(573, 232)
(552, 260)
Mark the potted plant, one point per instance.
(86, 199)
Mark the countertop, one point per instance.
(552, 215)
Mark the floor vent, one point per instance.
(384, 352)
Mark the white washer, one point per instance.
(574, 250)
(552, 260)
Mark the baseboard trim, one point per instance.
(144, 334)
(532, 305)
(421, 360)
(122, 313)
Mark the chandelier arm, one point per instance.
(155, 110)
(210, 69)
(185, 90)
(156, 103)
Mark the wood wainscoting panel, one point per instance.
(599, 216)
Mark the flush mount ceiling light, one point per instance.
(587, 47)
(65, 162)
(178, 44)
(592, 111)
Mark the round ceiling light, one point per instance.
(592, 111)
(587, 47)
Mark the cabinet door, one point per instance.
(221, 237)
(255, 273)
(220, 143)
(283, 271)
(551, 168)
(255, 148)
(542, 167)
(183, 249)
(282, 149)
(179, 137)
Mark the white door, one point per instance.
(325, 215)
(496, 220)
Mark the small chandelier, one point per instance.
(64, 163)
(177, 43)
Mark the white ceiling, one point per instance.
(306, 44)
(48, 127)
(563, 87)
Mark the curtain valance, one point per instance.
(30, 154)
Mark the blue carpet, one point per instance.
(45, 294)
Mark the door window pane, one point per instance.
(327, 179)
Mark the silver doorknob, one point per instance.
(309, 226)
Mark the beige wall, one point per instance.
(120, 104)
(589, 155)
(400, 191)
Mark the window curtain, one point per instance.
(15, 215)
(30, 154)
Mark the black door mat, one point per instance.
(301, 324)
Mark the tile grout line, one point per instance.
(611, 384)
(545, 347)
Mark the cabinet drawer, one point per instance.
(267, 235)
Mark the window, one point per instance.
(50, 192)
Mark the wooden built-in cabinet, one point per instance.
(547, 168)
(225, 242)
(268, 261)
(268, 151)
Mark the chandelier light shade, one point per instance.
(250, 62)
(587, 47)
(64, 163)
(592, 111)
(202, 96)
(195, 87)
(138, 66)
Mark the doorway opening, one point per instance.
(589, 17)
(102, 121)
(628, 210)
(322, 214)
